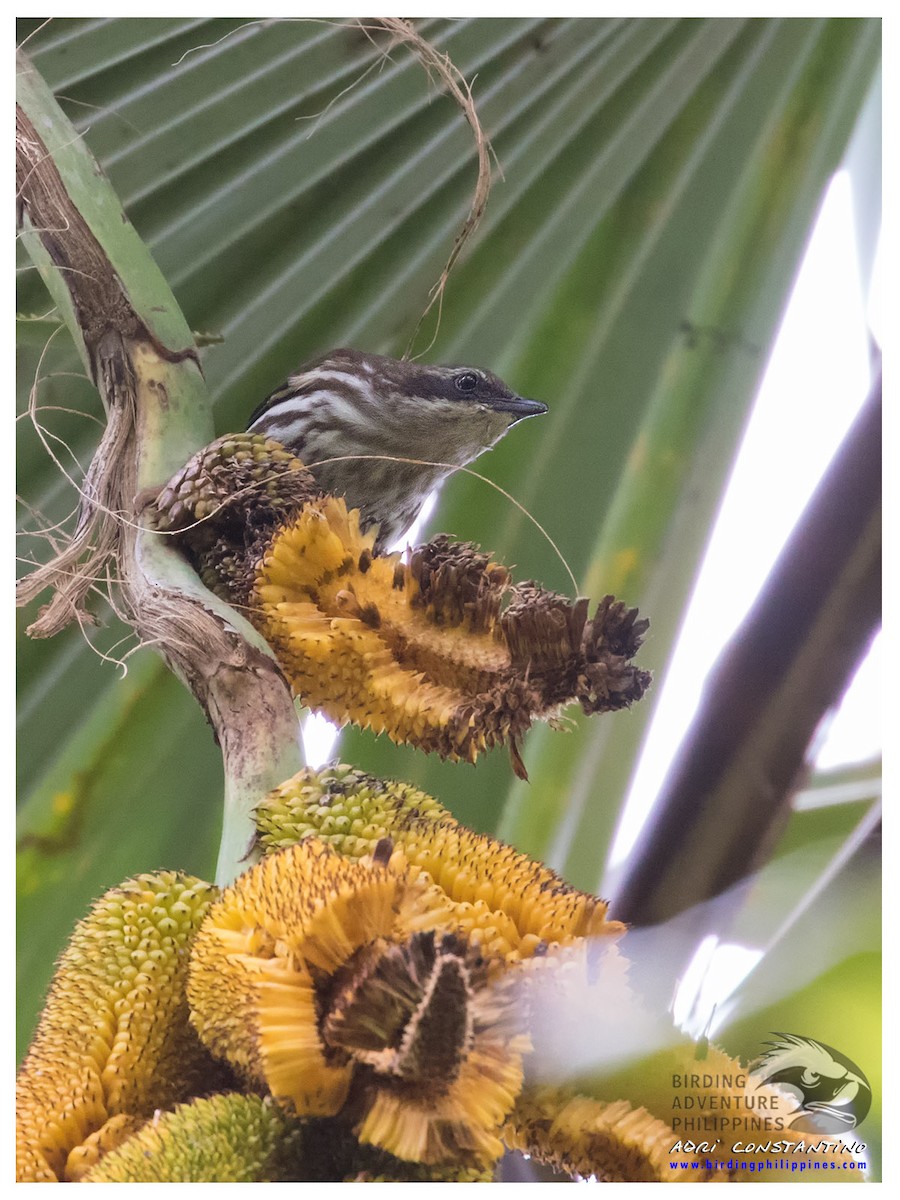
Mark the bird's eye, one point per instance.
(467, 382)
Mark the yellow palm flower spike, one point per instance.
(228, 1138)
(502, 900)
(443, 652)
(611, 1141)
(114, 1042)
(325, 981)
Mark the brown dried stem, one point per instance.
(158, 412)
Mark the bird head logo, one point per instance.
(832, 1093)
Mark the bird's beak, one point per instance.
(520, 408)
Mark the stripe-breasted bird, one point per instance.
(347, 403)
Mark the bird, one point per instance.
(356, 420)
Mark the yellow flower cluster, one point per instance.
(332, 984)
(358, 1008)
(422, 651)
(613, 1142)
(441, 652)
(227, 1138)
(502, 901)
(114, 1043)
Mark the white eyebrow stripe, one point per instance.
(332, 376)
(342, 408)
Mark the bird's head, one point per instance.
(384, 432)
(388, 405)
